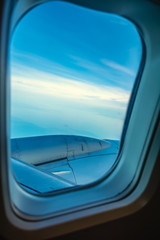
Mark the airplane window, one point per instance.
(72, 73)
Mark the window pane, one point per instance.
(72, 73)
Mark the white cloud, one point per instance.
(118, 67)
(50, 101)
(42, 83)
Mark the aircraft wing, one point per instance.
(49, 163)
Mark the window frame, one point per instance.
(117, 202)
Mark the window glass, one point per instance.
(72, 73)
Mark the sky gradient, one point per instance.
(72, 71)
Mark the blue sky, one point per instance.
(72, 71)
